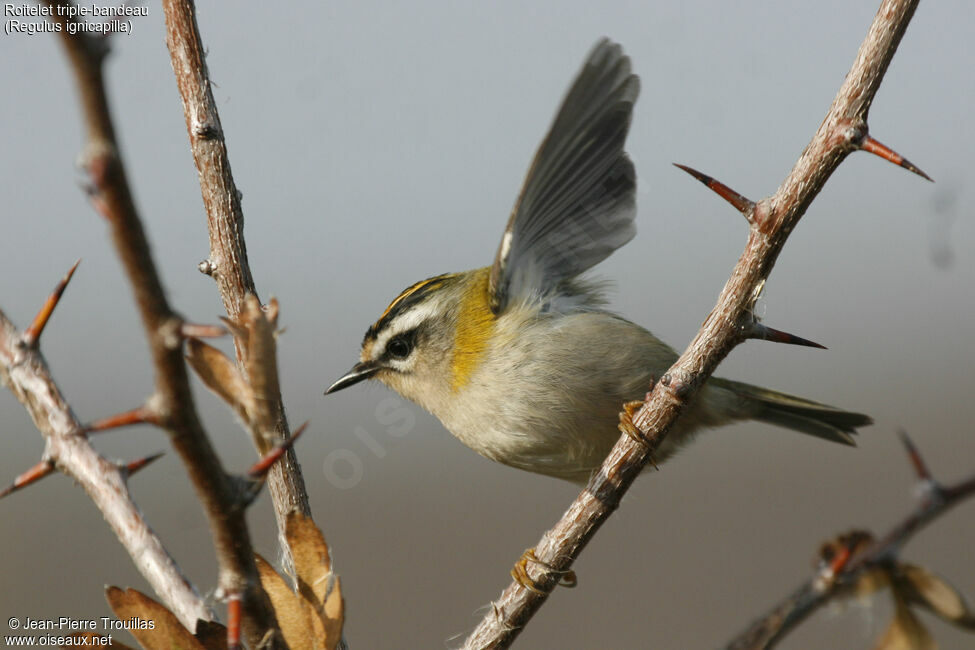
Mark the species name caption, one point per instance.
(33, 19)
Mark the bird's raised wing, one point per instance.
(578, 202)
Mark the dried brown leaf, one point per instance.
(95, 640)
(220, 375)
(870, 582)
(933, 592)
(212, 635)
(293, 613)
(313, 563)
(166, 633)
(316, 582)
(334, 614)
(905, 631)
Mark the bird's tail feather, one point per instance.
(799, 414)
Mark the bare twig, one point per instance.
(227, 262)
(772, 220)
(843, 575)
(24, 370)
(172, 402)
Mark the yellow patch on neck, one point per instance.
(475, 325)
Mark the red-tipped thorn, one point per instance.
(876, 148)
(136, 465)
(233, 621)
(917, 461)
(34, 474)
(140, 415)
(741, 203)
(766, 333)
(837, 553)
(34, 330)
(197, 331)
(260, 469)
(840, 560)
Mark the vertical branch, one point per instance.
(227, 262)
(772, 220)
(172, 402)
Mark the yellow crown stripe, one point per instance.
(409, 291)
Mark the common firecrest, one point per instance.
(519, 360)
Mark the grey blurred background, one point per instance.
(377, 144)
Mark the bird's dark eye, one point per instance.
(399, 347)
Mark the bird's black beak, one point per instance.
(360, 371)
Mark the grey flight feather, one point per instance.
(578, 202)
(796, 413)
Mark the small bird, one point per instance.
(520, 360)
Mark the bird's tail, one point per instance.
(798, 414)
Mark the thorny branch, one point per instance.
(227, 262)
(771, 220)
(172, 403)
(840, 577)
(24, 371)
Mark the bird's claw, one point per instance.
(627, 426)
(567, 577)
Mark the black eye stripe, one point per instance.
(411, 296)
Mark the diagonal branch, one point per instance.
(24, 370)
(772, 220)
(173, 400)
(227, 262)
(767, 631)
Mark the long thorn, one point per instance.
(140, 415)
(876, 148)
(140, 463)
(34, 474)
(742, 204)
(34, 330)
(917, 461)
(260, 469)
(765, 333)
